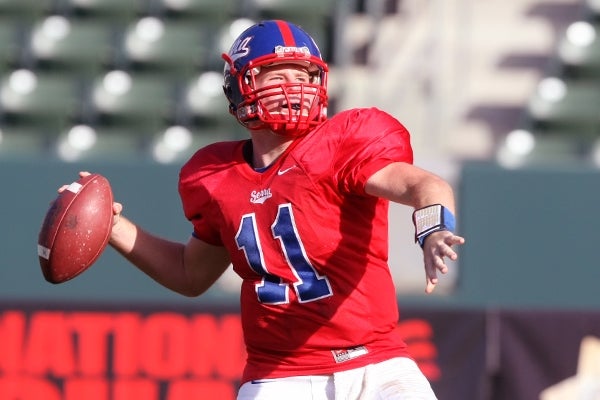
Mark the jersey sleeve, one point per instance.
(372, 139)
(196, 178)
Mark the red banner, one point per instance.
(172, 355)
(118, 355)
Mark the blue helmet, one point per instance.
(303, 105)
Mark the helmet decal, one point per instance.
(282, 51)
(286, 33)
(242, 49)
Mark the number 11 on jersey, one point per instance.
(309, 285)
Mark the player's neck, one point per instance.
(267, 147)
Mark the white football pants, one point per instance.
(395, 379)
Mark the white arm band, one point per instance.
(432, 219)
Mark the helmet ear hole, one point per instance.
(227, 92)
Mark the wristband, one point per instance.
(432, 219)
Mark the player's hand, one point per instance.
(117, 207)
(81, 175)
(438, 247)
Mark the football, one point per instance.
(76, 228)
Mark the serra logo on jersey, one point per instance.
(260, 196)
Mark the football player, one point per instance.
(300, 209)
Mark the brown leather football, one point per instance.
(76, 228)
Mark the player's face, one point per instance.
(284, 89)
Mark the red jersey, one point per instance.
(310, 245)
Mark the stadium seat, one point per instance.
(172, 47)
(25, 10)
(211, 11)
(593, 8)
(577, 112)
(141, 103)
(178, 143)
(579, 50)
(115, 13)
(68, 45)
(84, 142)
(202, 101)
(9, 43)
(290, 8)
(183, 146)
(555, 146)
(20, 143)
(38, 100)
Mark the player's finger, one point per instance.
(442, 267)
(446, 249)
(454, 240)
(432, 266)
(438, 260)
(117, 209)
(431, 282)
(81, 174)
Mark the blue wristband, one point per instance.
(432, 219)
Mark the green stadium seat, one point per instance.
(593, 8)
(289, 8)
(112, 11)
(578, 112)
(69, 45)
(38, 100)
(172, 47)
(582, 61)
(25, 10)
(200, 137)
(555, 147)
(211, 11)
(9, 43)
(203, 102)
(141, 103)
(18, 143)
(189, 139)
(84, 142)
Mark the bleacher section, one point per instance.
(130, 69)
(563, 114)
(126, 71)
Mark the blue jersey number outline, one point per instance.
(309, 285)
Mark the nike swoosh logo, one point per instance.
(283, 171)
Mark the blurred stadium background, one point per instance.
(502, 99)
(463, 75)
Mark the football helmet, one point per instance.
(300, 105)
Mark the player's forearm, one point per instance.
(160, 259)
(431, 190)
(406, 184)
